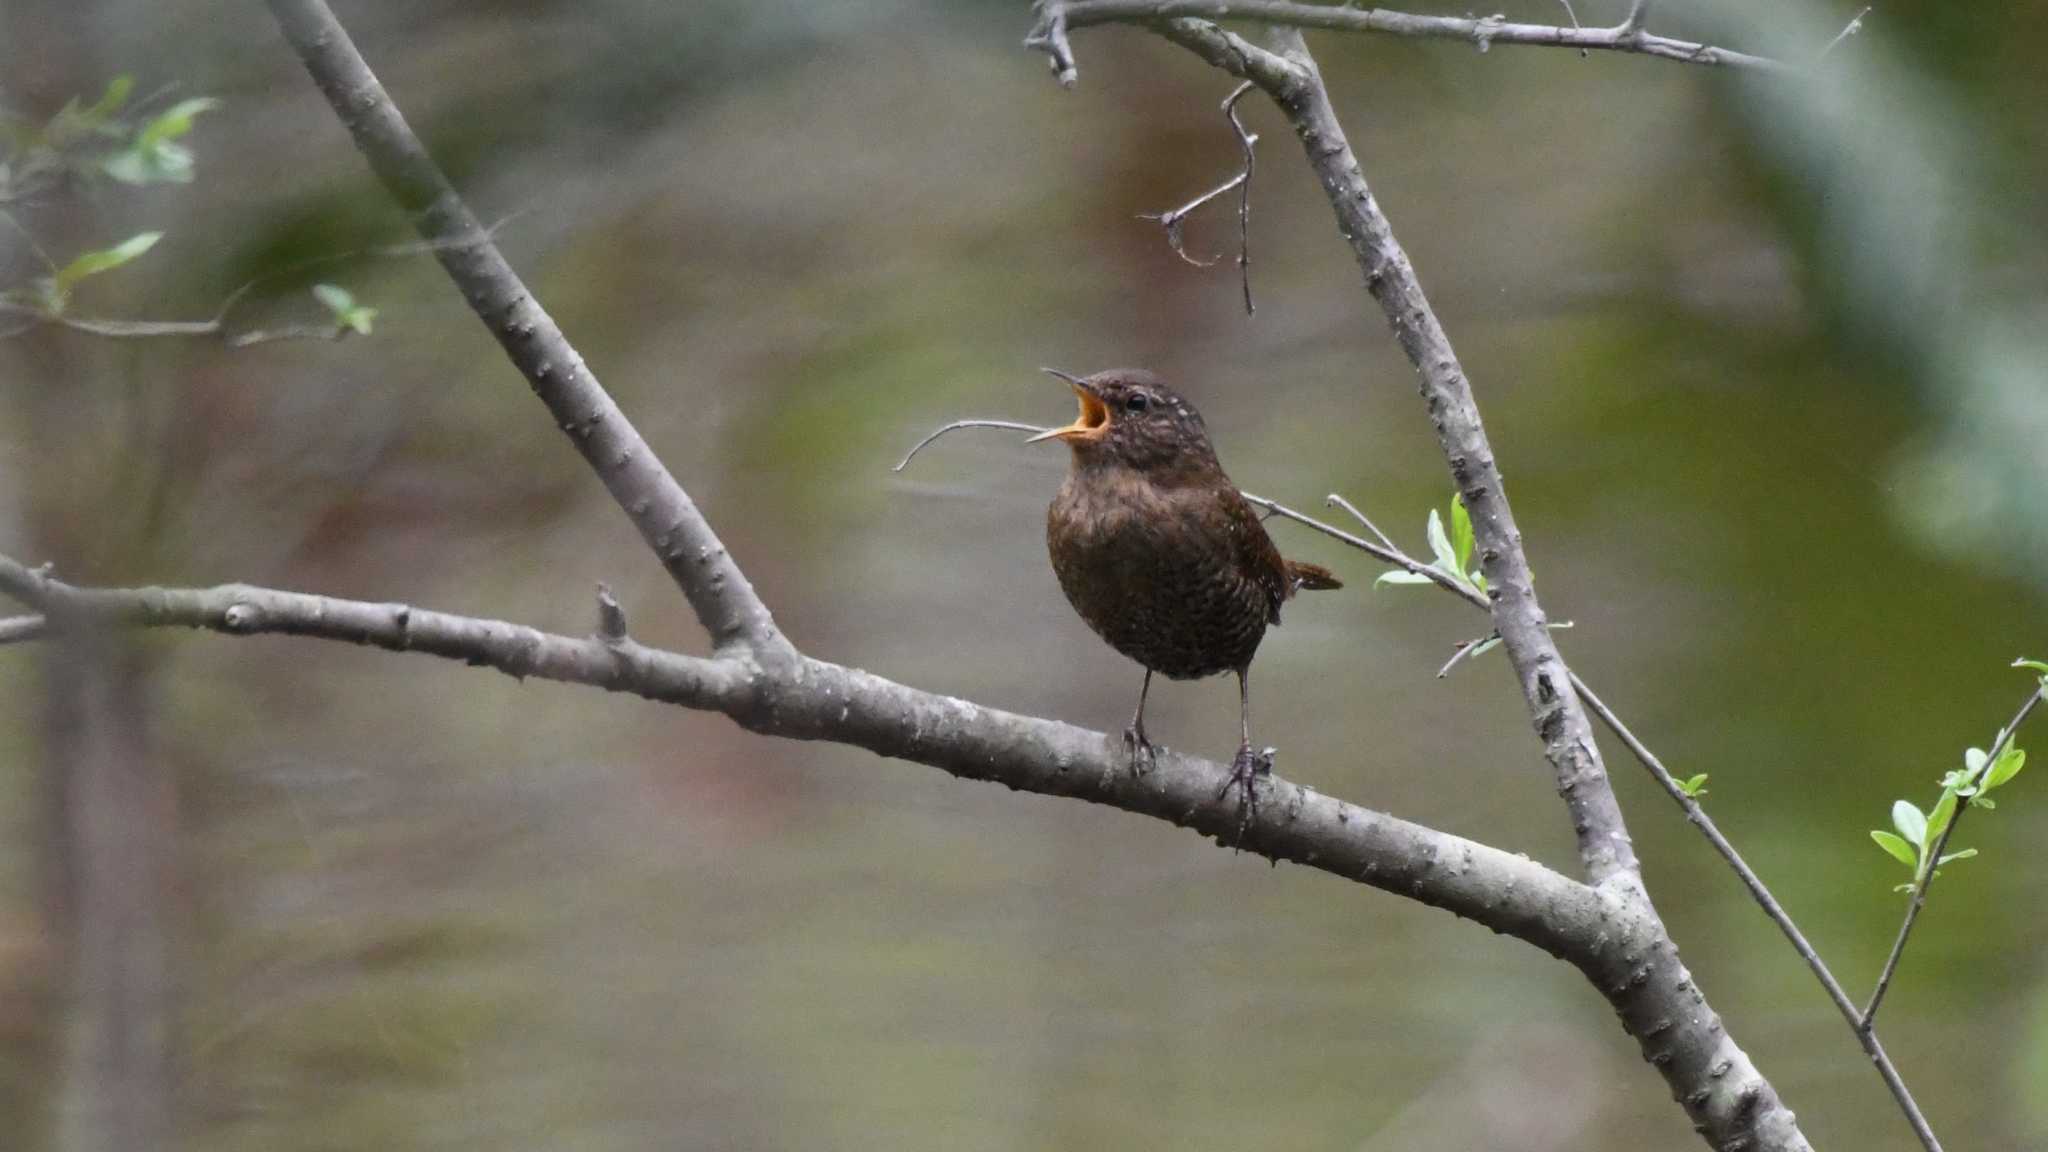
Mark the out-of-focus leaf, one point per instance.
(156, 157)
(56, 289)
(174, 121)
(1401, 576)
(111, 101)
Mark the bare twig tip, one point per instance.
(611, 617)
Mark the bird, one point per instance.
(1161, 555)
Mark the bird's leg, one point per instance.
(1140, 749)
(1247, 766)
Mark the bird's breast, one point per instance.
(1154, 572)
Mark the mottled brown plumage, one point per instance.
(1157, 550)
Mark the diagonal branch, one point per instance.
(822, 701)
(725, 603)
(1055, 19)
(1721, 1090)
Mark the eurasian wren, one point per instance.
(1160, 553)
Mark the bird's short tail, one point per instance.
(1313, 577)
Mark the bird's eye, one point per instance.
(1136, 402)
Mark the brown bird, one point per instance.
(1160, 553)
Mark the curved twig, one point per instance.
(1011, 425)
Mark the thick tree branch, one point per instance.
(817, 700)
(1727, 1098)
(665, 515)
(1055, 19)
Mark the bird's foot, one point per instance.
(1139, 755)
(1141, 750)
(1246, 770)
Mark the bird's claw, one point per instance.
(1141, 750)
(1139, 754)
(1246, 769)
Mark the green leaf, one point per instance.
(1401, 576)
(1937, 820)
(1911, 822)
(2036, 665)
(1965, 854)
(1899, 849)
(2004, 768)
(1440, 544)
(337, 299)
(57, 288)
(1461, 532)
(156, 157)
(359, 320)
(174, 121)
(1695, 787)
(111, 101)
(1483, 647)
(1973, 760)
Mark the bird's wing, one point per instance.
(1257, 558)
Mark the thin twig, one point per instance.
(1638, 12)
(1055, 20)
(1173, 220)
(1696, 814)
(15, 629)
(1010, 425)
(611, 615)
(217, 326)
(1925, 879)
(1854, 26)
(1340, 502)
(1245, 140)
(1464, 651)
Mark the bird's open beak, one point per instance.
(1091, 424)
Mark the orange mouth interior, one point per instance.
(1091, 424)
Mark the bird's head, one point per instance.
(1131, 417)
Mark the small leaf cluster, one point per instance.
(131, 144)
(1916, 834)
(349, 316)
(1453, 552)
(1452, 565)
(107, 138)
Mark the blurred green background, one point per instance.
(1761, 363)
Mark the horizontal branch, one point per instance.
(1482, 32)
(817, 700)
